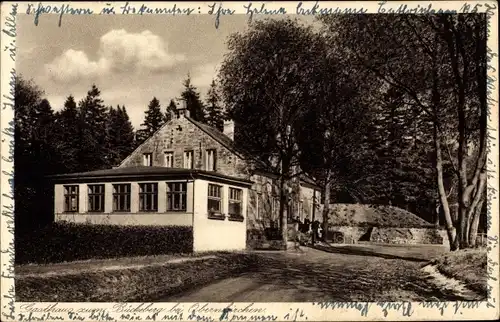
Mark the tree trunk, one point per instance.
(475, 224)
(326, 206)
(438, 209)
(474, 212)
(442, 193)
(282, 216)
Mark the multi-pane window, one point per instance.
(147, 159)
(214, 198)
(235, 197)
(148, 197)
(96, 198)
(71, 198)
(121, 197)
(188, 159)
(176, 196)
(169, 159)
(211, 158)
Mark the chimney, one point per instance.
(182, 110)
(229, 129)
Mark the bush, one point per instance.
(61, 242)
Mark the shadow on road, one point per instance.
(352, 279)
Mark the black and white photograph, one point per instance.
(192, 158)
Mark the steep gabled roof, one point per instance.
(229, 144)
(220, 137)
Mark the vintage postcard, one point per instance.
(249, 161)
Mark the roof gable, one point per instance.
(220, 137)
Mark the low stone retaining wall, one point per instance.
(409, 236)
(388, 235)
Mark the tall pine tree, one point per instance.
(92, 132)
(153, 120)
(171, 111)
(67, 135)
(214, 111)
(120, 135)
(192, 97)
(35, 156)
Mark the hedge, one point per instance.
(62, 242)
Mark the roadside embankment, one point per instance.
(138, 282)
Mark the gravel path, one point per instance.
(314, 275)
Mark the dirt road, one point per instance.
(314, 275)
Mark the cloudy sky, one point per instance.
(130, 58)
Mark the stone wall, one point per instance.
(349, 235)
(409, 236)
(387, 235)
(180, 135)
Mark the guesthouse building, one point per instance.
(185, 174)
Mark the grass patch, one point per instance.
(80, 266)
(147, 283)
(467, 266)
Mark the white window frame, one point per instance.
(150, 195)
(169, 159)
(179, 189)
(96, 196)
(211, 160)
(188, 159)
(215, 198)
(71, 197)
(147, 159)
(235, 197)
(122, 197)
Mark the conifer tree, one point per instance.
(192, 97)
(121, 135)
(67, 134)
(214, 117)
(171, 111)
(154, 118)
(92, 132)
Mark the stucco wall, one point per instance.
(213, 234)
(181, 135)
(129, 219)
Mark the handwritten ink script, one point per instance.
(362, 307)
(9, 31)
(128, 9)
(155, 312)
(250, 9)
(492, 138)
